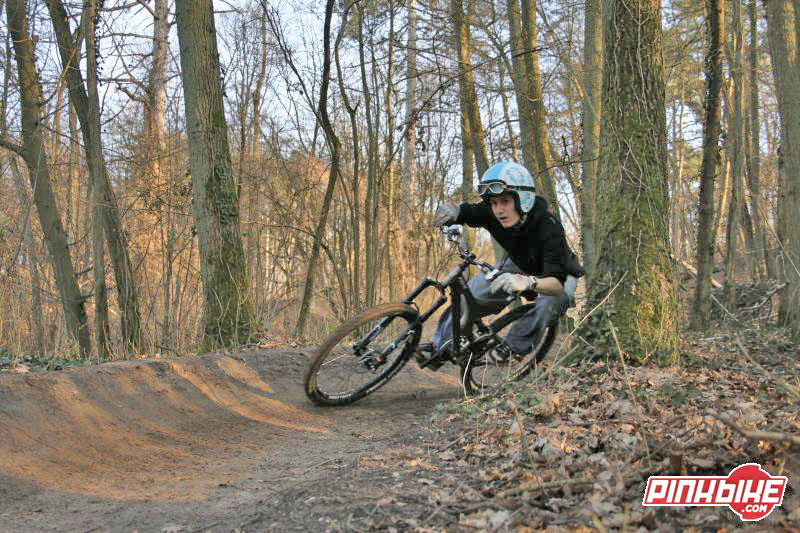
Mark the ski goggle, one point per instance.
(496, 188)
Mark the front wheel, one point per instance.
(363, 354)
(480, 372)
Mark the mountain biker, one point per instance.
(537, 257)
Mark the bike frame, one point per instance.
(457, 283)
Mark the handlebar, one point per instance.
(454, 234)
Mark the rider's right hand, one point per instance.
(446, 214)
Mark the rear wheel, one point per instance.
(362, 354)
(481, 372)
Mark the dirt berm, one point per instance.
(187, 444)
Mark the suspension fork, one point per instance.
(427, 282)
(459, 289)
(455, 318)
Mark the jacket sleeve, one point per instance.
(475, 215)
(553, 248)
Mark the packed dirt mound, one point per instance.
(164, 429)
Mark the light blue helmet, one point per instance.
(508, 176)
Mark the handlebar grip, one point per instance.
(492, 274)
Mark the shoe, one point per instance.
(499, 354)
(423, 353)
(428, 357)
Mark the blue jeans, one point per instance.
(524, 332)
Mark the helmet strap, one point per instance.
(522, 218)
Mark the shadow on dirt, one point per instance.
(178, 429)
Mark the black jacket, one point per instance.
(539, 246)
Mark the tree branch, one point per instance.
(773, 436)
(8, 144)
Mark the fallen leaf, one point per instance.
(447, 455)
(702, 463)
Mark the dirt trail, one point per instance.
(192, 444)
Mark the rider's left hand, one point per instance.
(446, 214)
(513, 283)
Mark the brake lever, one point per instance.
(491, 274)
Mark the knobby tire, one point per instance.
(385, 372)
(471, 367)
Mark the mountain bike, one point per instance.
(368, 350)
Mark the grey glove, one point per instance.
(513, 283)
(446, 214)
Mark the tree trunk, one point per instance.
(334, 146)
(634, 271)
(519, 78)
(736, 140)
(101, 326)
(467, 156)
(469, 99)
(677, 211)
(410, 121)
(370, 244)
(32, 256)
(592, 101)
(354, 279)
(87, 105)
(390, 178)
(155, 150)
(541, 141)
(252, 151)
(156, 91)
(783, 18)
(757, 204)
(74, 222)
(501, 75)
(101, 323)
(706, 230)
(37, 327)
(467, 169)
(228, 316)
(466, 82)
(36, 159)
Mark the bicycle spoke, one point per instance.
(361, 355)
(488, 369)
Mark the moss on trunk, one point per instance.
(633, 276)
(227, 310)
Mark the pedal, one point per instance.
(423, 354)
(438, 359)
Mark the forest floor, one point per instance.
(228, 442)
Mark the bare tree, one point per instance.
(32, 257)
(706, 230)
(410, 121)
(783, 23)
(155, 127)
(460, 9)
(101, 322)
(754, 149)
(634, 275)
(33, 152)
(334, 146)
(528, 90)
(592, 101)
(533, 76)
(227, 312)
(84, 98)
(737, 150)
